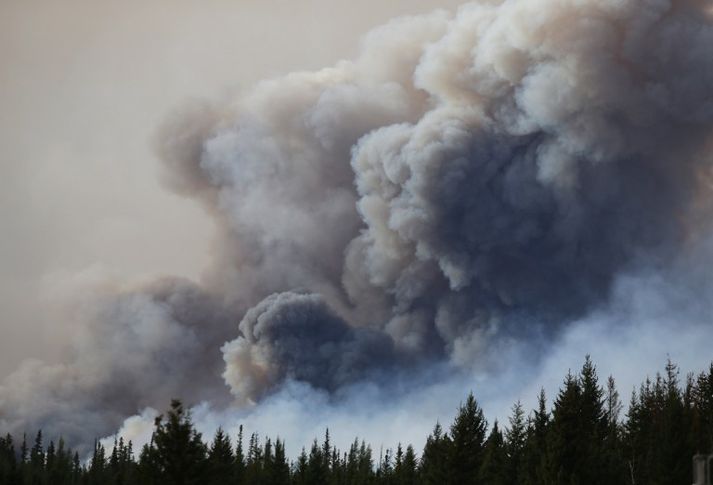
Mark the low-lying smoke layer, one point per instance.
(466, 179)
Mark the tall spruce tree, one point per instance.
(467, 443)
(434, 467)
(515, 442)
(405, 472)
(564, 441)
(281, 466)
(494, 468)
(180, 453)
(239, 466)
(221, 461)
(533, 470)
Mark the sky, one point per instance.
(296, 213)
(84, 88)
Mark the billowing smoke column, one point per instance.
(466, 179)
(298, 336)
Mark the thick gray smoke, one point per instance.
(468, 180)
(289, 335)
(134, 347)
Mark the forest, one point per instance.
(584, 437)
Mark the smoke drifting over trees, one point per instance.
(580, 437)
(467, 180)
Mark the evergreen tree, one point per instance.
(434, 467)
(594, 426)
(76, 470)
(612, 454)
(253, 464)
(317, 465)
(221, 461)
(578, 436)
(268, 464)
(583, 442)
(358, 464)
(281, 468)
(239, 467)
(97, 473)
(515, 442)
(493, 470)
(299, 470)
(327, 455)
(148, 469)
(37, 462)
(673, 454)
(385, 471)
(9, 471)
(468, 438)
(564, 442)
(408, 470)
(702, 412)
(180, 453)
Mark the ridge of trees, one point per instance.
(582, 439)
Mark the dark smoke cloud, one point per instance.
(466, 181)
(297, 336)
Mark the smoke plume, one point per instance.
(469, 183)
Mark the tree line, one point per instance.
(580, 439)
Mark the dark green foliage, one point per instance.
(582, 441)
(221, 461)
(405, 472)
(533, 470)
(180, 455)
(577, 440)
(435, 468)
(515, 445)
(494, 469)
(467, 442)
(9, 469)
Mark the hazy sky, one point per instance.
(83, 86)
(504, 191)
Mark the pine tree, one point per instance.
(221, 461)
(493, 470)
(253, 464)
(564, 453)
(614, 464)
(281, 475)
(583, 442)
(180, 453)
(148, 469)
(385, 471)
(577, 441)
(673, 452)
(37, 462)
(515, 441)
(434, 468)
(365, 464)
(468, 439)
(9, 472)
(267, 475)
(594, 427)
(97, 473)
(317, 465)
(239, 467)
(408, 473)
(702, 412)
(76, 469)
(299, 471)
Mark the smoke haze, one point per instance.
(476, 200)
